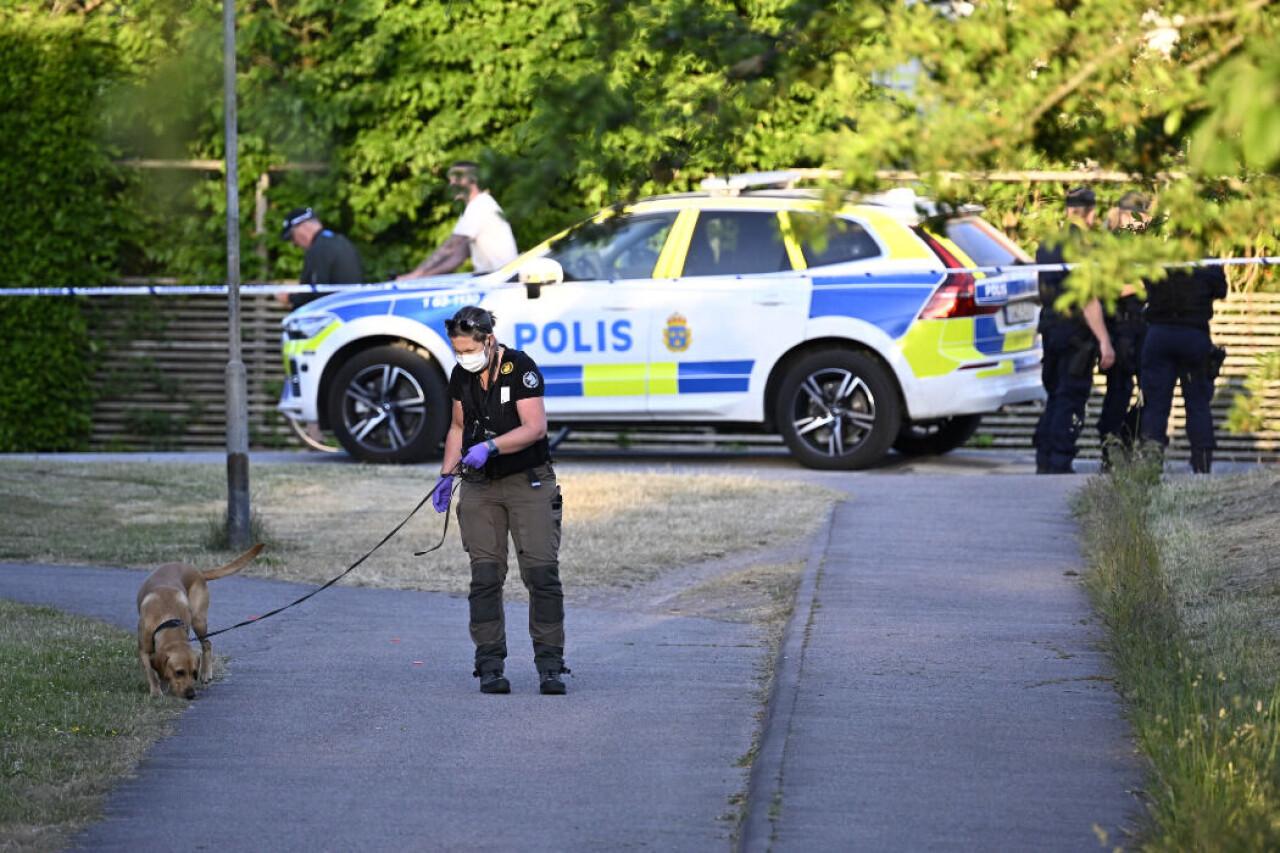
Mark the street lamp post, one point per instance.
(237, 397)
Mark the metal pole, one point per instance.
(237, 397)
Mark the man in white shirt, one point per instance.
(482, 233)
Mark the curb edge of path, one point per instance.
(765, 783)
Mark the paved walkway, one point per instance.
(939, 688)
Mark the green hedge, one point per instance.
(58, 223)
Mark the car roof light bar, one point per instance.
(783, 179)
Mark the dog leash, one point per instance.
(352, 567)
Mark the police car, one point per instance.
(744, 305)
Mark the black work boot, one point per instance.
(494, 682)
(1201, 460)
(549, 683)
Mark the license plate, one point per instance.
(1022, 311)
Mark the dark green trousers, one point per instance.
(491, 512)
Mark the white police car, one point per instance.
(741, 305)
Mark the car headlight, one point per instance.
(300, 327)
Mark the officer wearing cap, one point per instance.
(330, 257)
(1117, 422)
(1073, 340)
(499, 435)
(1178, 349)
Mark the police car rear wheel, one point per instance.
(933, 438)
(388, 404)
(838, 409)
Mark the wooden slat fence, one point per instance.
(161, 382)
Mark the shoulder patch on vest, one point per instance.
(531, 379)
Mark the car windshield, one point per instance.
(617, 247)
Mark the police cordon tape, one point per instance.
(421, 283)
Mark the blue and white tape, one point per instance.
(418, 284)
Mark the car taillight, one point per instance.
(955, 297)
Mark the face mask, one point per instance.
(474, 361)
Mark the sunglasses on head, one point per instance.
(466, 326)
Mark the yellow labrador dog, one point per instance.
(172, 603)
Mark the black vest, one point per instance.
(1185, 297)
(488, 414)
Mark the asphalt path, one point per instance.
(940, 686)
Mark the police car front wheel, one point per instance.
(388, 404)
(838, 409)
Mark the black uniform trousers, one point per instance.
(1127, 337)
(1177, 354)
(1067, 375)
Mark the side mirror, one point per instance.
(536, 272)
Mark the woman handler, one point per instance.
(499, 434)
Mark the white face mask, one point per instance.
(474, 361)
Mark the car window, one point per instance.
(736, 243)
(981, 242)
(841, 241)
(621, 246)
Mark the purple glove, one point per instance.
(477, 456)
(442, 494)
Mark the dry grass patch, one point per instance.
(620, 530)
(760, 595)
(1218, 542)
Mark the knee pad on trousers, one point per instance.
(546, 598)
(486, 592)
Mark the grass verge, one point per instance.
(72, 722)
(1185, 610)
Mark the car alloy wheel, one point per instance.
(388, 404)
(838, 409)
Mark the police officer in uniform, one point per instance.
(499, 434)
(1178, 349)
(330, 257)
(1072, 340)
(1117, 428)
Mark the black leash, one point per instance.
(353, 566)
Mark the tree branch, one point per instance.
(1078, 80)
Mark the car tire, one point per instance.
(838, 410)
(389, 404)
(934, 438)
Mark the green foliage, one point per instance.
(58, 222)
(1248, 412)
(45, 398)
(570, 106)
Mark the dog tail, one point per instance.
(235, 565)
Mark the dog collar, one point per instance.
(172, 623)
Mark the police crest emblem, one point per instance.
(677, 335)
